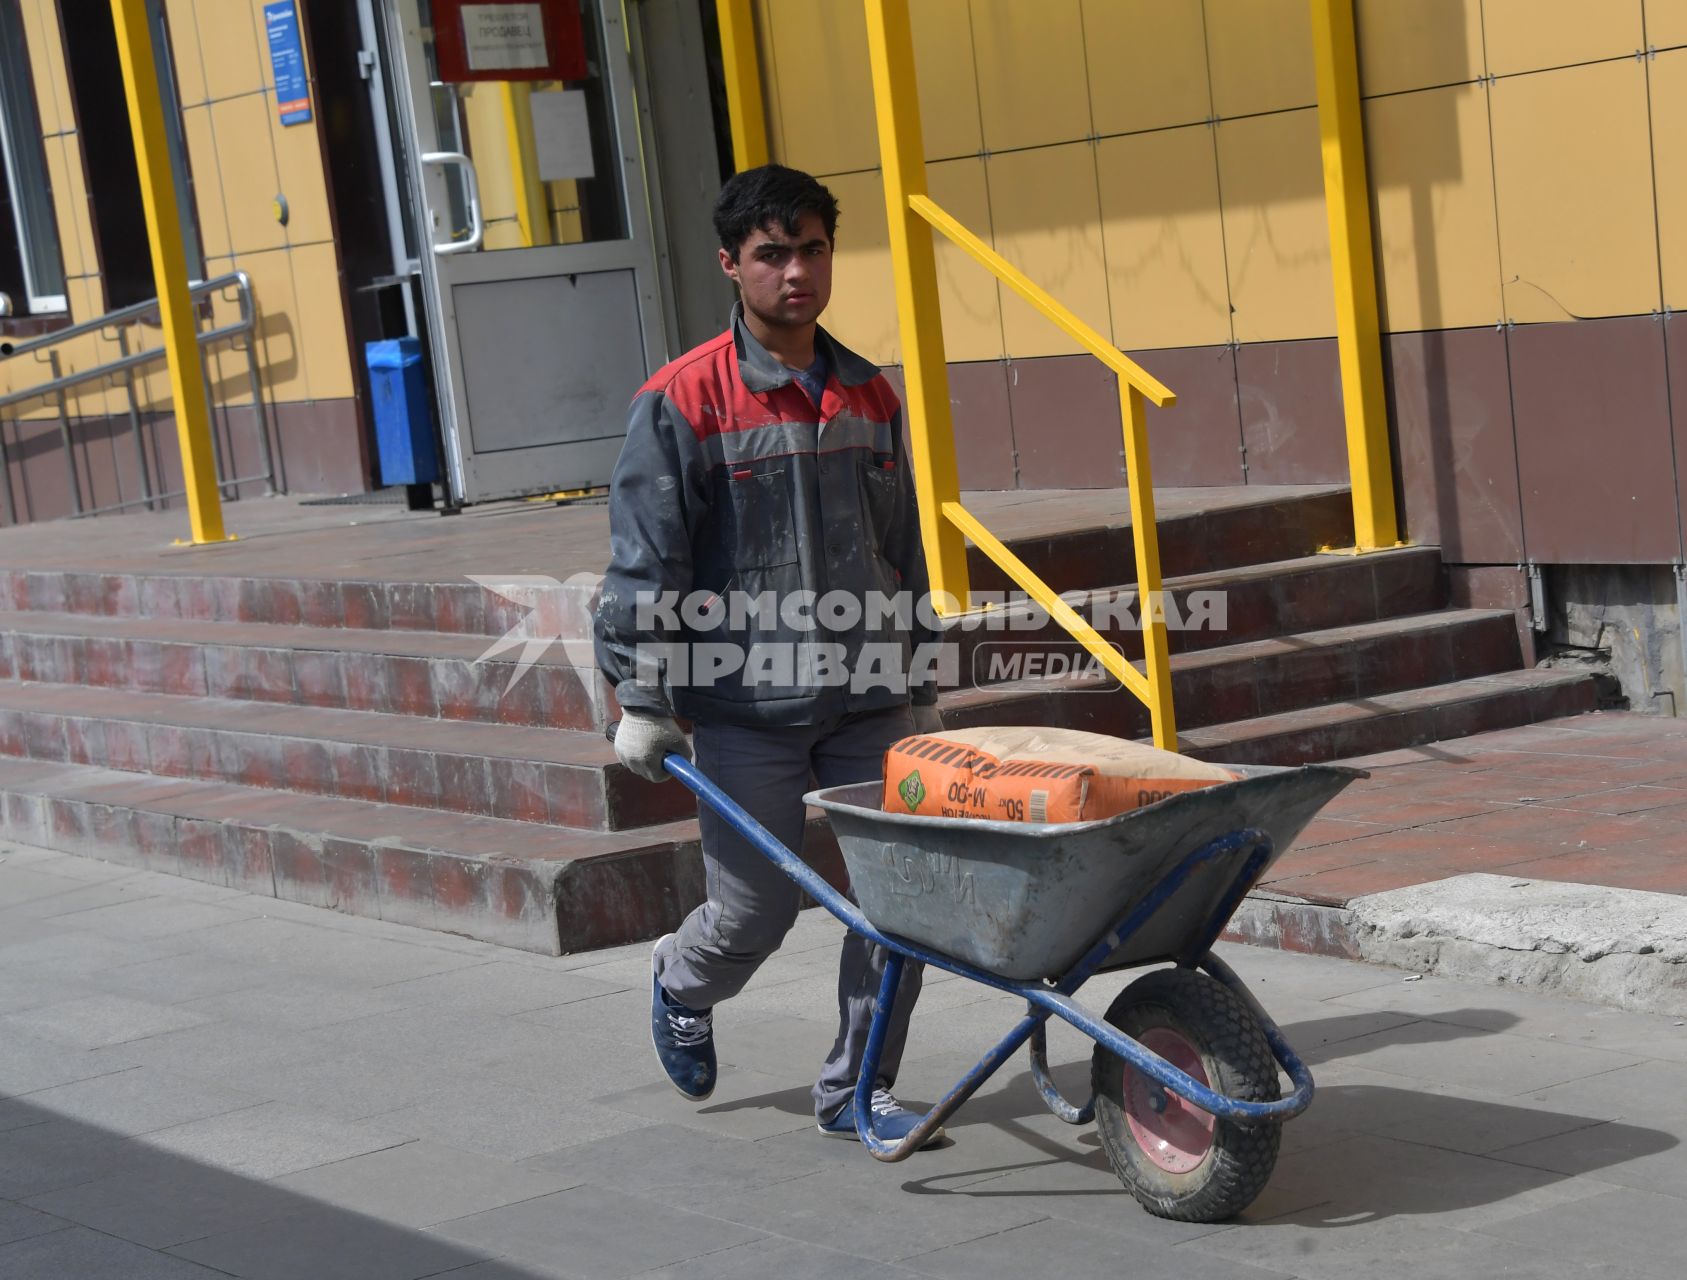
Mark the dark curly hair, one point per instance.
(767, 196)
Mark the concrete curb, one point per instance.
(1619, 947)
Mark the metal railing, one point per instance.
(121, 372)
(945, 523)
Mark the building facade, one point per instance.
(1153, 163)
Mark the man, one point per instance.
(762, 472)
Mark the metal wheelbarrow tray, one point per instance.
(1027, 901)
(1185, 1086)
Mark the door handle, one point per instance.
(477, 225)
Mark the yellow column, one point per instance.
(743, 83)
(169, 270)
(931, 432)
(1358, 333)
(532, 211)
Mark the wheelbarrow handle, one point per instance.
(735, 816)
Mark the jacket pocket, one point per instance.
(878, 497)
(764, 531)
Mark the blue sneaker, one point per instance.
(684, 1039)
(891, 1121)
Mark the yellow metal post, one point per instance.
(1358, 334)
(743, 83)
(931, 432)
(532, 211)
(169, 269)
(1146, 534)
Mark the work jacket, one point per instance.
(735, 497)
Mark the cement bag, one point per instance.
(1027, 774)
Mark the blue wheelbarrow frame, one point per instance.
(1249, 849)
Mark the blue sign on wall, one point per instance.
(287, 59)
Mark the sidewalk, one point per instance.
(195, 1082)
(1553, 855)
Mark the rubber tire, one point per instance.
(1238, 1064)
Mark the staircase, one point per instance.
(342, 744)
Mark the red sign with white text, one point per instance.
(508, 40)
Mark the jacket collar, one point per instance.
(761, 372)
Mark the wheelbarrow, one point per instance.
(1185, 1088)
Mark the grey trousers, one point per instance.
(752, 904)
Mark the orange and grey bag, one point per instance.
(1028, 774)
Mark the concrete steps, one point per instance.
(565, 778)
(519, 884)
(1264, 677)
(421, 673)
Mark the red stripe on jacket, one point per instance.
(705, 387)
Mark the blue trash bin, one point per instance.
(404, 436)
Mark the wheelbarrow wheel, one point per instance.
(1179, 1161)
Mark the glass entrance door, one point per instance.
(546, 312)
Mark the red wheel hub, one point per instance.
(1174, 1134)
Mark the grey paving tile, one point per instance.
(593, 1067)
(508, 1121)
(674, 1164)
(162, 916)
(1621, 1223)
(1643, 1093)
(1082, 1250)
(1618, 1151)
(1367, 1178)
(1267, 972)
(22, 886)
(829, 1208)
(270, 1140)
(324, 1243)
(497, 988)
(590, 1233)
(80, 895)
(75, 952)
(20, 1223)
(30, 990)
(1379, 1247)
(351, 957)
(163, 1200)
(183, 978)
(1528, 1013)
(138, 1101)
(60, 1153)
(357, 1086)
(423, 1183)
(215, 1051)
(1372, 1102)
(745, 1104)
(77, 1251)
(17, 1113)
(1481, 1061)
(773, 1259)
(100, 1020)
(71, 866)
(28, 1063)
(292, 1005)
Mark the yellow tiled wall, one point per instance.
(241, 158)
(1154, 163)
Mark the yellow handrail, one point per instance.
(1127, 369)
(1044, 595)
(925, 372)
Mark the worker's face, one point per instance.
(785, 280)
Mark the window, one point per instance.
(108, 149)
(30, 267)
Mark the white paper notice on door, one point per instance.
(504, 37)
(562, 136)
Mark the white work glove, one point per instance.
(643, 741)
(927, 718)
